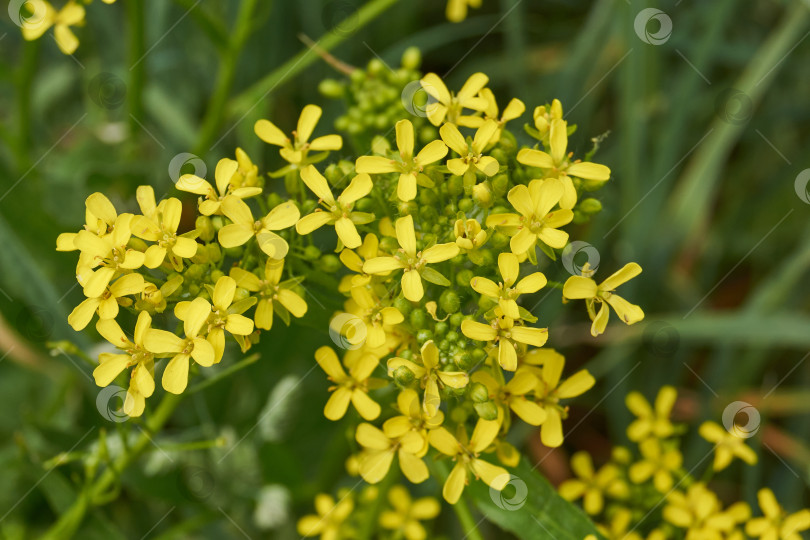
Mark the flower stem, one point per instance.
(136, 50)
(468, 525)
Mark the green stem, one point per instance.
(225, 76)
(248, 99)
(25, 79)
(136, 72)
(369, 522)
(224, 373)
(468, 525)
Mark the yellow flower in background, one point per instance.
(352, 387)
(380, 448)
(727, 446)
(657, 463)
(449, 107)
(194, 345)
(593, 486)
(557, 165)
(160, 226)
(247, 173)
(430, 377)
(502, 330)
(406, 514)
(583, 288)
(470, 154)
(512, 395)
(409, 167)
(225, 316)
(106, 304)
(651, 422)
(466, 455)
(43, 16)
(535, 222)
(337, 212)
(142, 382)
(224, 176)
(375, 316)
(504, 293)
(775, 523)
(412, 418)
(296, 150)
(700, 512)
(354, 259)
(457, 12)
(550, 391)
(543, 117)
(245, 227)
(412, 262)
(273, 294)
(329, 520)
(513, 110)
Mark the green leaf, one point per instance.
(529, 507)
(431, 275)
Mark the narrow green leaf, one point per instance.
(431, 275)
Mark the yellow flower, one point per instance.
(550, 391)
(160, 225)
(651, 422)
(504, 293)
(106, 304)
(558, 166)
(470, 154)
(160, 342)
(295, 151)
(376, 317)
(502, 330)
(100, 226)
(656, 463)
(330, 518)
(513, 110)
(142, 382)
(512, 395)
(380, 449)
(110, 252)
(245, 227)
(727, 446)
(338, 212)
(457, 12)
(224, 175)
(412, 418)
(700, 512)
(617, 527)
(430, 377)
(273, 294)
(352, 387)
(579, 287)
(449, 107)
(412, 262)
(469, 235)
(776, 524)
(407, 513)
(353, 260)
(536, 222)
(543, 117)
(43, 16)
(225, 316)
(466, 455)
(409, 167)
(592, 485)
(247, 174)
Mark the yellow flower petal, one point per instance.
(551, 431)
(589, 171)
(338, 403)
(110, 367)
(484, 433)
(454, 485)
(577, 384)
(440, 252)
(359, 187)
(375, 465)
(406, 236)
(478, 331)
(412, 285)
(307, 122)
(579, 287)
(175, 376)
(485, 286)
(237, 211)
(535, 158)
(558, 140)
(381, 265)
(367, 407)
(316, 182)
(296, 305)
(627, 312)
(453, 138)
(370, 436)
(413, 467)
(347, 233)
(375, 165)
(406, 187)
(431, 153)
(269, 133)
(327, 142)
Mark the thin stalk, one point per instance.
(135, 17)
(468, 524)
(223, 374)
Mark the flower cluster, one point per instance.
(37, 16)
(442, 237)
(648, 494)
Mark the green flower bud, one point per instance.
(342, 123)
(580, 218)
(478, 355)
(329, 263)
(403, 376)
(464, 277)
(403, 305)
(423, 336)
(499, 154)
(194, 272)
(388, 244)
(590, 206)
(488, 258)
(218, 222)
(482, 194)
(205, 229)
(455, 319)
(458, 415)
(411, 58)
(464, 360)
(449, 301)
(456, 392)
(428, 213)
(592, 185)
(194, 289)
(486, 303)
(332, 174)
(440, 328)
(364, 205)
(418, 318)
(308, 206)
(507, 143)
(500, 185)
(465, 205)
(407, 354)
(331, 88)
(486, 410)
(469, 181)
(407, 208)
(479, 393)
(216, 274)
(241, 294)
(214, 253)
(357, 76)
(311, 253)
(455, 186)
(498, 240)
(452, 336)
(137, 243)
(444, 345)
(274, 199)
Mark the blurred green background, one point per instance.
(708, 128)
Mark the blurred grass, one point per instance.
(696, 198)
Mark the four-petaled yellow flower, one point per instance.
(583, 288)
(727, 446)
(295, 151)
(504, 293)
(352, 387)
(106, 304)
(412, 418)
(245, 227)
(43, 16)
(550, 391)
(512, 395)
(329, 520)
(776, 524)
(700, 512)
(337, 212)
(224, 176)
(353, 260)
(502, 330)
(406, 514)
(449, 107)
(470, 154)
(412, 262)
(657, 463)
(380, 448)
(225, 316)
(469, 234)
(514, 109)
(409, 167)
(466, 455)
(651, 422)
(376, 317)
(161, 228)
(593, 486)
(271, 291)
